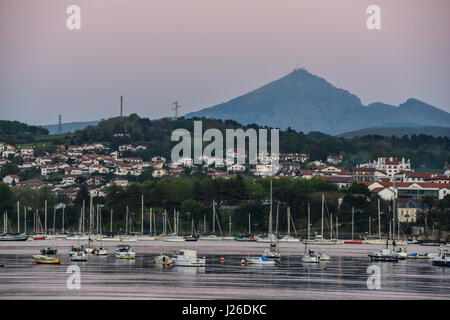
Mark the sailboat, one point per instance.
(271, 237)
(385, 254)
(174, 237)
(248, 238)
(443, 260)
(288, 238)
(5, 236)
(229, 237)
(319, 239)
(101, 251)
(273, 252)
(149, 236)
(213, 236)
(193, 235)
(309, 256)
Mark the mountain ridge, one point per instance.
(307, 102)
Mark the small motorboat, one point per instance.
(39, 237)
(384, 255)
(43, 259)
(323, 256)
(273, 252)
(260, 260)
(289, 239)
(124, 252)
(188, 258)
(311, 257)
(190, 238)
(80, 256)
(416, 255)
(174, 238)
(101, 252)
(163, 260)
(77, 236)
(443, 260)
(49, 251)
(402, 254)
(13, 237)
(211, 237)
(75, 250)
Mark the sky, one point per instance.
(204, 52)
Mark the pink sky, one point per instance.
(204, 52)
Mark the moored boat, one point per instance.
(384, 255)
(43, 259)
(188, 258)
(260, 260)
(124, 252)
(311, 257)
(13, 237)
(443, 260)
(80, 256)
(49, 251)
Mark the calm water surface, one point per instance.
(345, 277)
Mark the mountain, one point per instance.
(306, 102)
(69, 127)
(398, 131)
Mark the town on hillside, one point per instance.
(97, 167)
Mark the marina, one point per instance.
(223, 276)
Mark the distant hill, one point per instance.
(69, 127)
(306, 102)
(399, 132)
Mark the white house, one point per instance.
(236, 168)
(10, 178)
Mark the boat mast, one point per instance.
(25, 219)
(229, 225)
(289, 221)
(204, 223)
(249, 225)
(379, 220)
(331, 226)
(45, 218)
(126, 222)
(18, 218)
(321, 230)
(307, 238)
(270, 213)
(214, 218)
(54, 220)
(276, 221)
(353, 221)
(337, 227)
(150, 214)
(63, 218)
(82, 216)
(111, 224)
(142, 214)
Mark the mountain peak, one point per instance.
(307, 102)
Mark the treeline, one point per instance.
(15, 132)
(423, 150)
(235, 198)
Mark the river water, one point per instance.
(344, 277)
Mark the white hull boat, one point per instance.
(188, 258)
(211, 238)
(260, 260)
(311, 257)
(124, 252)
